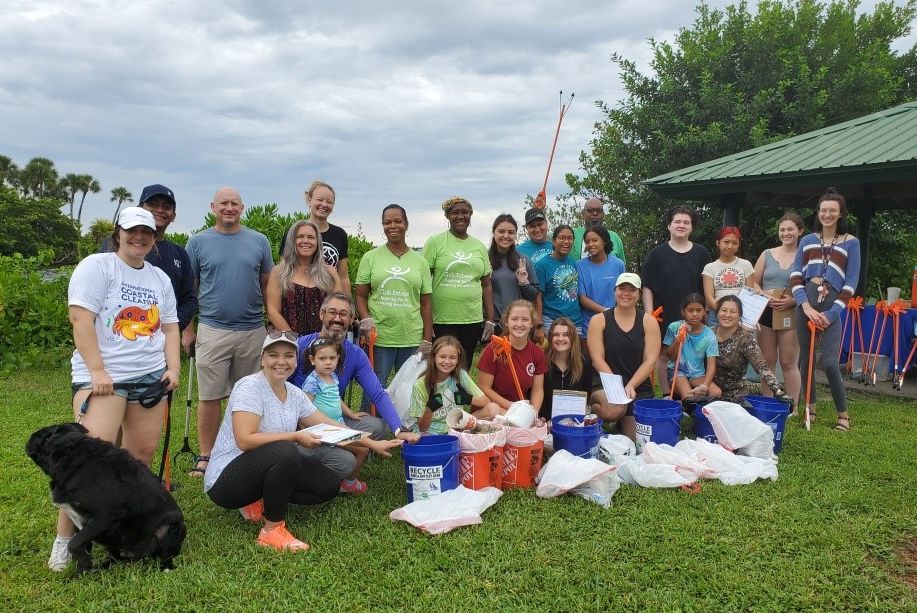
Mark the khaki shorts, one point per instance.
(224, 357)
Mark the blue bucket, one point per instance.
(773, 413)
(658, 421)
(431, 466)
(582, 441)
(703, 429)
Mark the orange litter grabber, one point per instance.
(867, 351)
(504, 350)
(813, 332)
(871, 375)
(657, 315)
(907, 364)
(854, 306)
(896, 309)
(680, 339)
(564, 107)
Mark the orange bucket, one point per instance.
(480, 469)
(521, 464)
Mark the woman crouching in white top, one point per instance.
(256, 465)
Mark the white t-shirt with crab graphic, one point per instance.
(130, 305)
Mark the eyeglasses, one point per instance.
(287, 334)
(336, 313)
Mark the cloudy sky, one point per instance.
(386, 101)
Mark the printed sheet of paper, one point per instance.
(333, 435)
(568, 402)
(614, 388)
(753, 305)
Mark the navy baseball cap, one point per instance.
(156, 190)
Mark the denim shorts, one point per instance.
(138, 385)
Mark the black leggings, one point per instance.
(279, 474)
(468, 335)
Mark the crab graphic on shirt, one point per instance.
(133, 322)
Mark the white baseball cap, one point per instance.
(628, 277)
(134, 216)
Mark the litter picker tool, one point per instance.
(871, 375)
(657, 315)
(372, 362)
(564, 107)
(907, 365)
(186, 446)
(680, 339)
(813, 332)
(503, 349)
(896, 308)
(854, 307)
(867, 351)
(165, 462)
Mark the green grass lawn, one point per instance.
(825, 536)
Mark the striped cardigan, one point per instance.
(842, 273)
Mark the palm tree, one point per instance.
(8, 170)
(120, 195)
(38, 176)
(87, 184)
(71, 183)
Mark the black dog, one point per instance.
(113, 499)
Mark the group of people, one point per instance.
(551, 313)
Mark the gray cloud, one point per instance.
(388, 103)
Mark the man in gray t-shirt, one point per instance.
(231, 266)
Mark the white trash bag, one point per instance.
(586, 477)
(401, 387)
(732, 469)
(449, 510)
(636, 471)
(740, 432)
(614, 448)
(654, 453)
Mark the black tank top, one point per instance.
(624, 350)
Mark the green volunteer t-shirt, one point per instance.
(395, 285)
(458, 265)
(446, 389)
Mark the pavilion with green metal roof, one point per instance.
(872, 160)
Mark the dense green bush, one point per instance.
(31, 225)
(99, 230)
(34, 328)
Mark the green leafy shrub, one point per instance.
(34, 327)
(99, 230)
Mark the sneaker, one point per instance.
(253, 512)
(353, 486)
(279, 538)
(60, 555)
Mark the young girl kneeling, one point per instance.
(444, 386)
(694, 346)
